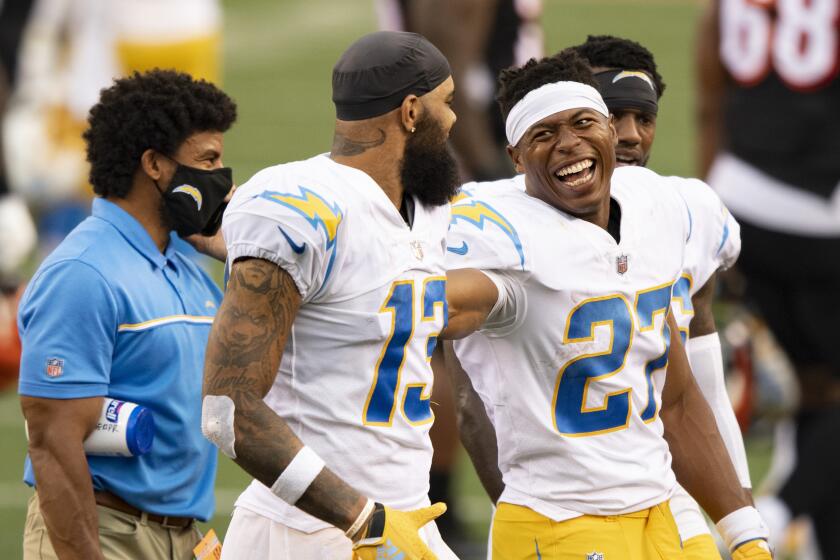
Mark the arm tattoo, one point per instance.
(344, 146)
(243, 355)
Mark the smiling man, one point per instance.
(570, 282)
(631, 86)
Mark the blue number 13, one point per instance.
(382, 398)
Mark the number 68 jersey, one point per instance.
(572, 365)
(355, 378)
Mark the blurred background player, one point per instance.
(479, 38)
(71, 50)
(631, 86)
(769, 115)
(17, 231)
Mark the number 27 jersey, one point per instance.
(355, 380)
(577, 358)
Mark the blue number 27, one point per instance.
(572, 417)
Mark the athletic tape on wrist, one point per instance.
(297, 476)
(742, 525)
(360, 520)
(217, 417)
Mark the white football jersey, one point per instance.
(573, 365)
(714, 243)
(355, 379)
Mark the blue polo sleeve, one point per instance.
(68, 323)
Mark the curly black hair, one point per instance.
(614, 52)
(158, 109)
(565, 66)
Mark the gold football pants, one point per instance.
(520, 533)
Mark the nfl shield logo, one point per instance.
(594, 556)
(55, 367)
(621, 268)
(418, 250)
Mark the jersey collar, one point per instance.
(132, 231)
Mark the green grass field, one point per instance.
(278, 59)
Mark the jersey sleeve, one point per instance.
(481, 237)
(68, 322)
(730, 243)
(509, 311)
(715, 234)
(296, 228)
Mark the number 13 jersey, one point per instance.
(355, 379)
(572, 366)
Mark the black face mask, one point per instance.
(195, 199)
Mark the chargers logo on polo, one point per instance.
(190, 191)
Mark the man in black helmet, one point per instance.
(317, 379)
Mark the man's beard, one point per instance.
(428, 169)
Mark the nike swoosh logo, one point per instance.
(295, 247)
(462, 250)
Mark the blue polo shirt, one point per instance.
(108, 314)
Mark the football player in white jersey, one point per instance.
(317, 378)
(631, 87)
(570, 282)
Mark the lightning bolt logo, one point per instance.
(459, 196)
(479, 213)
(634, 74)
(317, 211)
(190, 191)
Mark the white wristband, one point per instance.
(360, 520)
(742, 525)
(297, 476)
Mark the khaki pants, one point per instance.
(121, 536)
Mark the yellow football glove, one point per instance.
(392, 534)
(753, 550)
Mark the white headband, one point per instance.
(547, 100)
